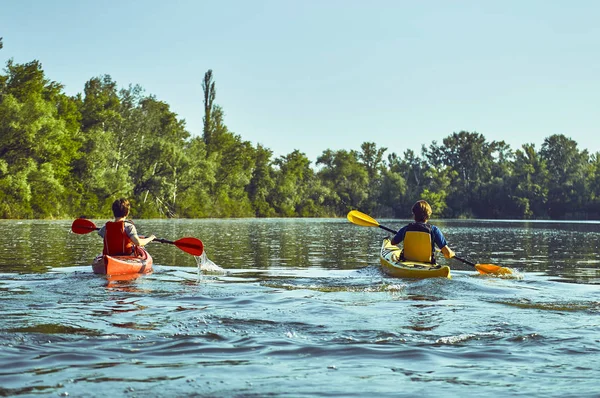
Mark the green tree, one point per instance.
(472, 157)
(297, 192)
(416, 174)
(210, 93)
(234, 168)
(261, 183)
(437, 186)
(530, 183)
(98, 171)
(195, 200)
(160, 158)
(36, 143)
(15, 190)
(593, 200)
(392, 195)
(347, 180)
(234, 159)
(567, 168)
(371, 158)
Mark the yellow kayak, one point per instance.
(391, 265)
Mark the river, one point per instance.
(301, 308)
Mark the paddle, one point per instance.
(358, 218)
(192, 246)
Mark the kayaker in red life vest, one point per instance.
(120, 236)
(419, 237)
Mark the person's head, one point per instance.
(422, 211)
(120, 208)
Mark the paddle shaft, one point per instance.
(189, 245)
(388, 229)
(465, 261)
(163, 241)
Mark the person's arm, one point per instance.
(135, 238)
(440, 241)
(142, 241)
(399, 237)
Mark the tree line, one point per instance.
(67, 156)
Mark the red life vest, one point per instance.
(116, 240)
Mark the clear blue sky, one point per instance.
(331, 74)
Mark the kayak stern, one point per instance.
(392, 266)
(123, 265)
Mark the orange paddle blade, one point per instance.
(83, 226)
(492, 269)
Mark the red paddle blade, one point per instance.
(193, 246)
(82, 226)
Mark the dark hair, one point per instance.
(120, 207)
(422, 211)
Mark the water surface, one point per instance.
(302, 309)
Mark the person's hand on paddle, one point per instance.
(143, 241)
(447, 252)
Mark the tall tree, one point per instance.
(371, 158)
(161, 161)
(261, 183)
(99, 171)
(208, 87)
(36, 144)
(472, 157)
(194, 198)
(234, 158)
(567, 168)
(530, 183)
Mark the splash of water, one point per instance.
(514, 274)
(205, 264)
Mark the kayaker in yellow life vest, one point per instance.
(419, 237)
(120, 236)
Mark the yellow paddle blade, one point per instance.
(358, 218)
(492, 269)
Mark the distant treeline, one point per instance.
(66, 156)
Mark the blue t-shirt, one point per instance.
(438, 237)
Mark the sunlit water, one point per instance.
(300, 308)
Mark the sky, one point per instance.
(312, 75)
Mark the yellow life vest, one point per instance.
(418, 244)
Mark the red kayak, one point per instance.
(123, 265)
